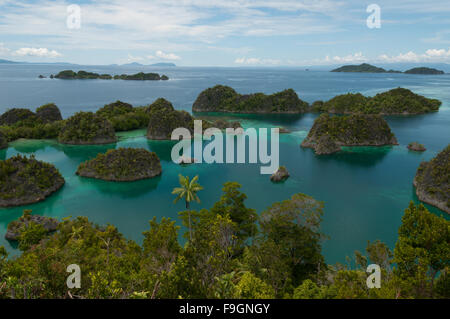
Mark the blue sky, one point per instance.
(226, 32)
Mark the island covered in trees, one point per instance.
(86, 128)
(122, 165)
(432, 181)
(225, 99)
(25, 180)
(368, 68)
(84, 75)
(397, 101)
(329, 133)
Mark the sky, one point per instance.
(229, 33)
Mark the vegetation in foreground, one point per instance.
(432, 181)
(25, 180)
(231, 253)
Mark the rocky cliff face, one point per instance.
(225, 99)
(432, 181)
(122, 165)
(329, 133)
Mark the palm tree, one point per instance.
(188, 192)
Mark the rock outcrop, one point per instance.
(280, 175)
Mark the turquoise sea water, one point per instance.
(365, 189)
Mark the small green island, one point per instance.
(424, 70)
(363, 68)
(329, 133)
(84, 75)
(86, 128)
(398, 101)
(25, 180)
(222, 98)
(432, 181)
(368, 68)
(416, 147)
(122, 165)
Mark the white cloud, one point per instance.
(38, 52)
(257, 61)
(167, 56)
(430, 55)
(356, 57)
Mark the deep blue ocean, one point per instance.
(365, 190)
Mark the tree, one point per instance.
(422, 250)
(187, 191)
(231, 203)
(288, 249)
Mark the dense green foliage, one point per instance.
(83, 75)
(432, 180)
(123, 164)
(227, 256)
(224, 99)
(424, 70)
(330, 132)
(23, 123)
(87, 128)
(395, 101)
(124, 117)
(3, 141)
(25, 180)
